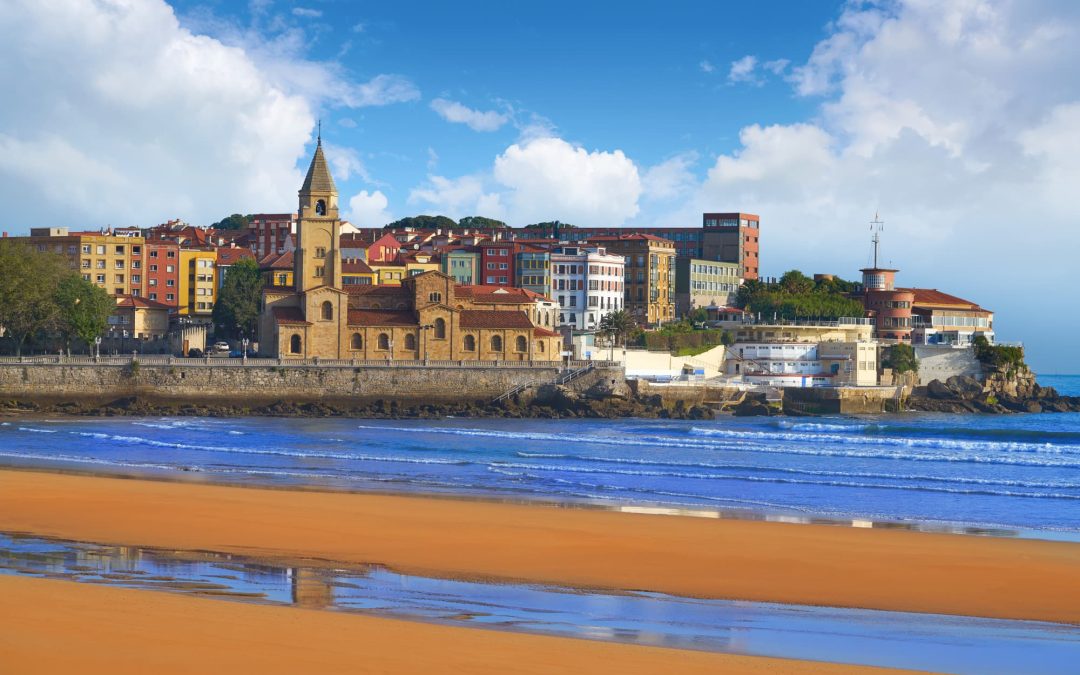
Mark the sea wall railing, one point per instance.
(224, 362)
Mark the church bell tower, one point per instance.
(318, 229)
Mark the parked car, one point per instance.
(221, 346)
(195, 353)
(236, 354)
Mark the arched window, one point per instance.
(320, 208)
(496, 343)
(470, 343)
(384, 341)
(410, 341)
(376, 305)
(440, 329)
(435, 297)
(357, 341)
(540, 346)
(521, 344)
(327, 310)
(294, 344)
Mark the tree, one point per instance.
(901, 358)
(233, 222)
(423, 223)
(84, 309)
(236, 312)
(617, 326)
(28, 281)
(698, 315)
(481, 222)
(795, 282)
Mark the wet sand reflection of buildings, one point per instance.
(311, 588)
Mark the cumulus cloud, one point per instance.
(134, 118)
(345, 162)
(670, 179)
(742, 70)
(477, 120)
(960, 122)
(368, 209)
(543, 178)
(706, 66)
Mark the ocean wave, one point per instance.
(80, 459)
(38, 431)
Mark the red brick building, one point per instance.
(161, 272)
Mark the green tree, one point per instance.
(901, 358)
(617, 326)
(481, 222)
(423, 223)
(795, 282)
(698, 315)
(84, 309)
(236, 312)
(234, 222)
(28, 281)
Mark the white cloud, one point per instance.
(671, 178)
(347, 122)
(776, 66)
(742, 70)
(550, 179)
(306, 12)
(134, 120)
(368, 209)
(706, 66)
(961, 123)
(544, 178)
(477, 120)
(345, 163)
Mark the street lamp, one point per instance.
(97, 348)
(423, 340)
(244, 346)
(123, 341)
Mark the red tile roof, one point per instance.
(378, 291)
(630, 237)
(277, 261)
(544, 332)
(499, 294)
(290, 315)
(131, 301)
(355, 266)
(382, 317)
(494, 318)
(932, 297)
(229, 256)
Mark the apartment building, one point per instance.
(587, 282)
(198, 285)
(532, 268)
(269, 232)
(704, 283)
(496, 263)
(161, 275)
(111, 261)
(463, 264)
(649, 275)
(733, 238)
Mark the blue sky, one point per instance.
(959, 122)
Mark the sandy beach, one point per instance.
(110, 630)
(775, 562)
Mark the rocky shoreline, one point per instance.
(964, 394)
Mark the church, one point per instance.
(426, 317)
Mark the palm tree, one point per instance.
(617, 325)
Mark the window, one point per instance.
(435, 297)
(469, 344)
(135, 278)
(496, 343)
(135, 264)
(170, 269)
(119, 264)
(384, 341)
(153, 296)
(357, 341)
(320, 271)
(521, 344)
(153, 268)
(170, 297)
(320, 208)
(99, 264)
(320, 252)
(410, 341)
(101, 249)
(327, 311)
(440, 329)
(170, 282)
(136, 250)
(86, 248)
(540, 346)
(294, 344)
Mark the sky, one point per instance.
(958, 122)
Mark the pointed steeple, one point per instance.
(318, 174)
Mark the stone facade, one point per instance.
(424, 316)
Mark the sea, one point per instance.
(1005, 475)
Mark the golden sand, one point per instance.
(775, 562)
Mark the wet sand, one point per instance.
(771, 562)
(49, 626)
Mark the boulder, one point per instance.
(938, 390)
(965, 387)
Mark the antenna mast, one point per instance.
(876, 225)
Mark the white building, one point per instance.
(587, 282)
(803, 364)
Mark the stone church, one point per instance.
(426, 317)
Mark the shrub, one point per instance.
(901, 358)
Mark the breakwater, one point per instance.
(176, 381)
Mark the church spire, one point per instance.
(318, 174)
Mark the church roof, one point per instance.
(381, 317)
(318, 174)
(494, 318)
(290, 315)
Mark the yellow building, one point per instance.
(415, 317)
(110, 261)
(277, 269)
(142, 318)
(650, 275)
(197, 282)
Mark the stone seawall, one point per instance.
(261, 384)
(840, 400)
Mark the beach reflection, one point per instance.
(894, 639)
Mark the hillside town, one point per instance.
(668, 303)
